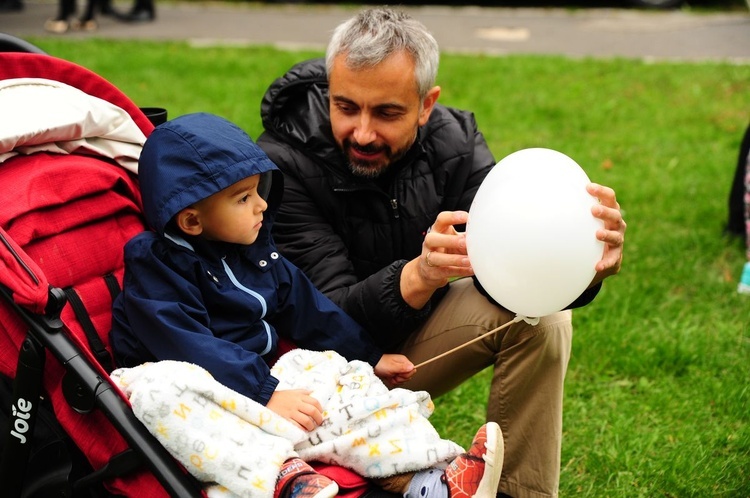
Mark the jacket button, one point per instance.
(263, 263)
(274, 255)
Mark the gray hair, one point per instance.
(375, 34)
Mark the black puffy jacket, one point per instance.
(352, 236)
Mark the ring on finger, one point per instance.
(427, 259)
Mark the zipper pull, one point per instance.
(394, 207)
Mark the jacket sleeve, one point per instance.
(584, 299)
(166, 316)
(314, 322)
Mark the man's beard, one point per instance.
(375, 168)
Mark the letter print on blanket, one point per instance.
(237, 446)
(368, 428)
(219, 435)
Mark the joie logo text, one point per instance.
(21, 416)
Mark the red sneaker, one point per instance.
(298, 480)
(477, 472)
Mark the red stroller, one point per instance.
(69, 143)
(69, 204)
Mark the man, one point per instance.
(378, 181)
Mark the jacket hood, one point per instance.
(295, 107)
(195, 156)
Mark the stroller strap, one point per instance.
(95, 343)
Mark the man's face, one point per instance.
(375, 112)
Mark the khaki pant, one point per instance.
(527, 385)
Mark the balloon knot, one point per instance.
(531, 320)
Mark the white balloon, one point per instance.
(531, 237)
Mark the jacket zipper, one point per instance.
(394, 207)
(233, 278)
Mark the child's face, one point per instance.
(234, 214)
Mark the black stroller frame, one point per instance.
(85, 390)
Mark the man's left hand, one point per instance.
(612, 234)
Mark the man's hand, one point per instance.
(297, 406)
(394, 369)
(443, 257)
(613, 233)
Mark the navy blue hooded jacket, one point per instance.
(218, 305)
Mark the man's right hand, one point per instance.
(443, 257)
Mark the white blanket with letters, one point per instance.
(237, 446)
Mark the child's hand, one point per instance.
(297, 406)
(394, 369)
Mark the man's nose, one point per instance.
(364, 132)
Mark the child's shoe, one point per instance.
(744, 286)
(477, 472)
(298, 480)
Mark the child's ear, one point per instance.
(188, 220)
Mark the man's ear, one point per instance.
(189, 221)
(428, 104)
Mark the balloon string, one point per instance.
(517, 319)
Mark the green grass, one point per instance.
(657, 397)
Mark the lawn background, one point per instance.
(657, 390)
